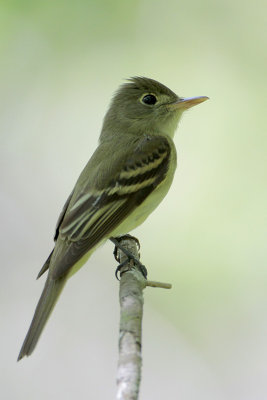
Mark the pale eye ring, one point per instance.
(149, 99)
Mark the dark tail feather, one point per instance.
(43, 310)
(45, 266)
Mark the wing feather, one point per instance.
(92, 217)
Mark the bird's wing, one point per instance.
(46, 265)
(97, 212)
(61, 216)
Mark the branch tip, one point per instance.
(161, 285)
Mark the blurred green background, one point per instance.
(60, 63)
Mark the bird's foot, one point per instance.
(130, 256)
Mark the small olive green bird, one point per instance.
(126, 178)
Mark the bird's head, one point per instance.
(143, 105)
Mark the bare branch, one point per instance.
(132, 284)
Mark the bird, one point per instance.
(126, 178)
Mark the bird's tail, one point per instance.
(43, 310)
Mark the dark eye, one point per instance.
(149, 99)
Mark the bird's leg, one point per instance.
(116, 241)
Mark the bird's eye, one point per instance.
(149, 99)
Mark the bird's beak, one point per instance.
(188, 102)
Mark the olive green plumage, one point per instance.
(124, 181)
